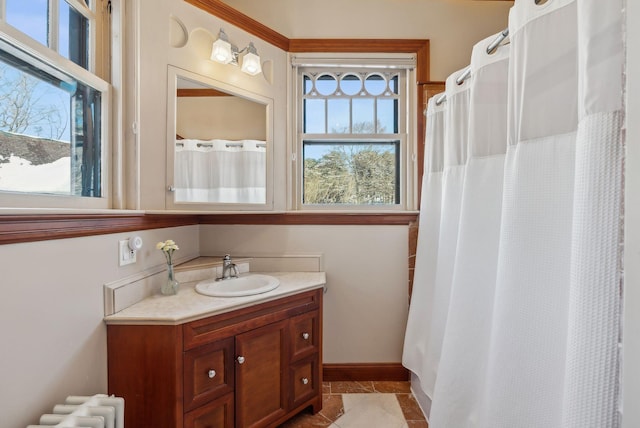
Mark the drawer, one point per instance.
(218, 414)
(305, 335)
(208, 373)
(206, 330)
(304, 381)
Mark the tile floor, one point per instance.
(363, 405)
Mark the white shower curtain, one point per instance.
(460, 381)
(592, 381)
(417, 336)
(454, 161)
(220, 171)
(531, 335)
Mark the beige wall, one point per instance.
(51, 330)
(365, 306)
(223, 118)
(453, 26)
(54, 339)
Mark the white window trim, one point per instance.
(408, 144)
(354, 60)
(51, 58)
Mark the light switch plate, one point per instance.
(126, 255)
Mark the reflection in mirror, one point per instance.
(220, 146)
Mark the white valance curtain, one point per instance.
(523, 319)
(220, 171)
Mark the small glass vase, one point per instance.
(170, 287)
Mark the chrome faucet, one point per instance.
(229, 269)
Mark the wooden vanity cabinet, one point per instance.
(252, 367)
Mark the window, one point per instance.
(53, 107)
(353, 142)
(353, 173)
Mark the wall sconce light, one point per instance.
(226, 53)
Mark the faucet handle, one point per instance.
(227, 258)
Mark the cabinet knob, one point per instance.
(305, 336)
(240, 360)
(171, 188)
(212, 374)
(304, 380)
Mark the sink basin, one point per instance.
(246, 285)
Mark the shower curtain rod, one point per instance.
(496, 42)
(467, 71)
(464, 75)
(442, 98)
(226, 145)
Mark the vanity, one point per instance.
(196, 361)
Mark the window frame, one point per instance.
(354, 61)
(49, 58)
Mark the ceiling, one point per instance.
(349, 18)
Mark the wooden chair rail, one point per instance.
(31, 228)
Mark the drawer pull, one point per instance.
(304, 380)
(240, 360)
(305, 336)
(212, 374)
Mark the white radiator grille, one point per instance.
(97, 411)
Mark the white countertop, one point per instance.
(188, 305)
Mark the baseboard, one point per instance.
(364, 371)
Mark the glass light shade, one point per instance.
(221, 52)
(251, 64)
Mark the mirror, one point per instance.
(219, 138)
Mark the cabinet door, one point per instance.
(260, 372)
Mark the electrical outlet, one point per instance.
(126, 255)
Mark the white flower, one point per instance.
(167, 247)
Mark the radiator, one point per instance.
(97, 411)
